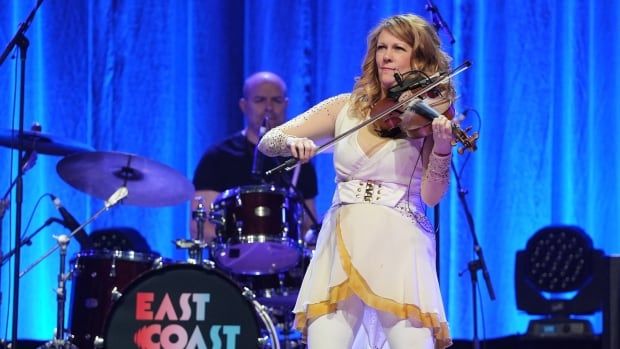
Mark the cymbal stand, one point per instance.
(29, 160)
(59, 341)
(196, 247)
(199, 215)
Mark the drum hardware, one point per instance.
(196, 247)
(159, 262)
(264, 315)
(98, 342)
(59, 340)
(115, 294)
(216, 218)
(257, 230)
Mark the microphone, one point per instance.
(257, 159)
(422, 109)
(70, 222)
(438, 21)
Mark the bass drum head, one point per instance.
(182, 306)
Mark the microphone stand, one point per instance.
(114, 199)
(476, 264)
(28, 240)
(438, 21)
(20, 40)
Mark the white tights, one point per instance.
(337, 330)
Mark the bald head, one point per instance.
(264, 102)
(263, 77)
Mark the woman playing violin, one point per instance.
(373, 274)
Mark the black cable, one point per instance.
(34, 210)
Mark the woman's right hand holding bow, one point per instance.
(301, 148)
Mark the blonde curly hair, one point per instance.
(427, 56)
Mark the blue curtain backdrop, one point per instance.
(161, 79)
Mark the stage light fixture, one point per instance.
(557, 276)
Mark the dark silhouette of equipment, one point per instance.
(557, 276)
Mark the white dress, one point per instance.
(375, 240)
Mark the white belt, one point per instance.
(381, 193)
(360, 191)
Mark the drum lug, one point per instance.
(217, 218)
(113, 268)
(263, 341)
(248, 294)
(98, 342)
(158, 263)
(116, 295)
(208, 264)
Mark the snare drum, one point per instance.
(187, 306)
(258, 230)
(96, 277)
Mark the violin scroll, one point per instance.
(461, 136)
(467, 142)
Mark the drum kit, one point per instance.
(235, 292)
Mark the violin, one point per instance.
(414, 116)
(391, 108)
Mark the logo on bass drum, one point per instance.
(175, 335)
(182, 307)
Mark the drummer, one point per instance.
(234, 162)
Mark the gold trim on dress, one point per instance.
(355, 284)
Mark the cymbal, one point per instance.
(149, 183)
(42, 143)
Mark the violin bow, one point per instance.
(293, 162)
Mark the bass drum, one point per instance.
(188, 306)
